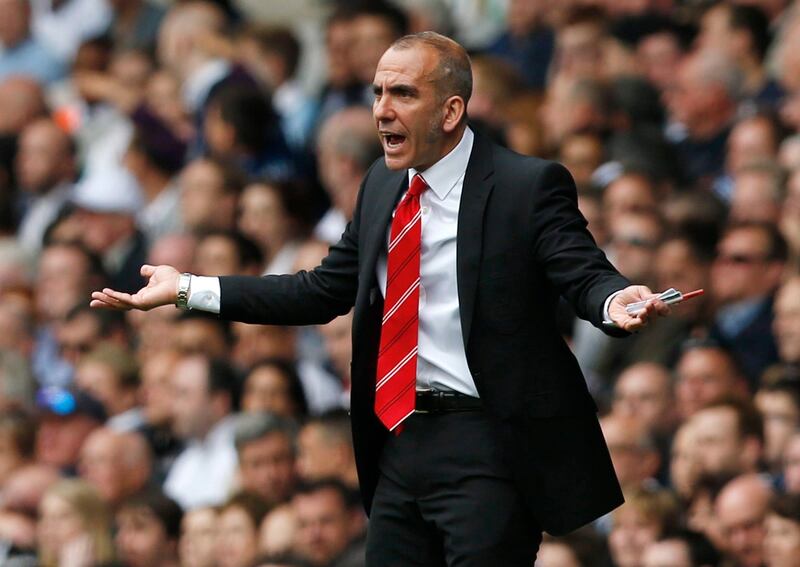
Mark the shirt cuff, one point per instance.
(204, 294)
(606, 318)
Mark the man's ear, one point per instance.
(454, 111)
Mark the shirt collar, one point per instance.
(443, 175)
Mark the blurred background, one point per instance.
(231, 137)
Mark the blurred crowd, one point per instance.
(231, 137)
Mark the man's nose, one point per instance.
(382, 109)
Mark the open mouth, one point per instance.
(393, 141)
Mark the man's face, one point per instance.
(202, 193)
(781, 540)
(267, 467)
(786, 324)
(42, 157)
(781, 419)
(77, 337)
(753, 198)
(315, 459)
(141, 539)
(631, 534)
(643, 393)
(407, 108)
(741, 517)
(198, 531)
(719, 443)
(704, 376)
(323, 530)
(191, 400)
(791, 465)
(634, 240)
(62, 281)
(742, 269)
(59, 439)
(267, 389)
(676, 266)
(101, 465)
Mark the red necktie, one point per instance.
(397, 358)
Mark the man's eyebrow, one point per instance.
(401, 89)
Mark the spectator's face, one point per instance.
(754, 198)
(216, 256)
(643, 393)
(323, 525)
(198, 534)
(704, 375)
(141, 540)
(218, 134)
(667, 553)
(554, 554)
(102, 382)
(634, 240)
(191, 399)
(659, 56)
(629, 195)
(781, 419)
(338, 42)
(580, 50)
(741, 517)
(372, 36)
(631, 534)
(408, 111)
(42, 157)
(255, 342)
(781, 541)
(633, 463)
(263, 218)
(204, 202)
(278, 530)
(62, 281)
(77, 336)
(786, 324)
(715, 31)
(199, 336)
(676, 266)
(338, 344)
(59, 524)
(719, 443)
(14, 22)
(750, 141)
(791, 465)
(267, 389)
(59, 439)
(742, 269)
(267, 467)
(691, 99)
(101, 465)
(236, 539)
(581, 155)
(684, 466)
(317, 457)
(156, 389)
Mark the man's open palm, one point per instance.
(161, 289)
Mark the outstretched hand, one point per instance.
(634, 321)
(161, 289)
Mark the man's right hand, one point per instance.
(161, 289)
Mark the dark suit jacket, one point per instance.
(521, 243)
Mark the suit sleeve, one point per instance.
(305, 298)
(565, 248)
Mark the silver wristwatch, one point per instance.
(184, 282)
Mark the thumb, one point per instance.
(147, 270)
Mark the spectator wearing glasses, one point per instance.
(745, 275)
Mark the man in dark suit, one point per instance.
(498, 438)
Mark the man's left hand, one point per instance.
(632, 322)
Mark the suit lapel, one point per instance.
(478, 186)
(389, 193)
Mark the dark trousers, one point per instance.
(445, 498)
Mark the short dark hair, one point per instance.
(787, 506)
(251, 503)
(349, 497)
(392, 15)
(755, 22)
(249, 112)
(222, 379)
(701, 550)
(278, 40)
(253, 426)
(164, 508)
(453, 74)
(335, 423)
(748, 420)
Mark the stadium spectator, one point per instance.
(236, 540)
(705, 373)
(741, 508)
(266, 447)
(786, 324)
(325, 449)
(203, 401)
(147, 530)
(23, 53)
(198, 532)
(779, 405)
(782, 532)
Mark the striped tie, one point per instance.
(397, 359)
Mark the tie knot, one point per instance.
(417, 186)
